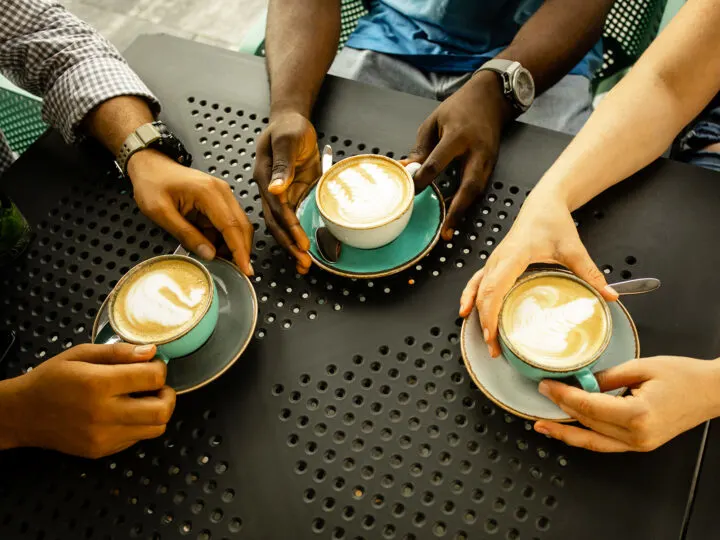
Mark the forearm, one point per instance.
(711, 388)
(301, 42)
(671, 83)
(115, 119)
(10, 413)
(557, 37)
(50, 52)
(631, 127)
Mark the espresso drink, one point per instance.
(554, 322)
(161, 301)
(365, 191)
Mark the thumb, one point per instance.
(117, 353)
(427, 139)
(631, 373)
(284, 154)
(582, 265)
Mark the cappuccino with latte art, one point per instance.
(366, 201)
(161, 301)
(554, 322)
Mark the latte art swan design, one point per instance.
(365, 193)
(552, 326)
(161, 302)
(158, 299)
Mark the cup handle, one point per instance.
(159, 355)
(587, 380)
(413, 168)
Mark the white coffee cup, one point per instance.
(366, 201)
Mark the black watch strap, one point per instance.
(153, 135)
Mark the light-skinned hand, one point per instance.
(544, 232)
(668, 395)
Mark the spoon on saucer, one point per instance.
(328, 246)
(636, 286)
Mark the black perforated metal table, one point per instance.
(350, 415)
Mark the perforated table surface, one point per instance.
(351, 414)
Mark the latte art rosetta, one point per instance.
(554, 321)
(365, 192)
(161, 301)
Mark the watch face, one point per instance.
(524, 87)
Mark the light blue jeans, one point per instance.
(564, 107)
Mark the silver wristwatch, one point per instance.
(518, 84)
(153, 135)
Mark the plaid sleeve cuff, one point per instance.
(87, 85)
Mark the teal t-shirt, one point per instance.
(450, 35)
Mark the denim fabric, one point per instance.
(704, 132)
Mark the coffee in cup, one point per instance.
(554, 325)
(366, 201)
(169, 301)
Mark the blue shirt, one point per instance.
(453, 36)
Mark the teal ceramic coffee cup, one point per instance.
(186, 342)
(530, 368)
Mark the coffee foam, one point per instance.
(161, 301)
(365, 192)
(554, 321)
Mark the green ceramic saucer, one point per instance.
(418, 238)
(504, 386)
(235, 328)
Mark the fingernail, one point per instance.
(490, 352)
(143, 350)
(610, 290)
(206, 251)
(252, 270)
(276, 183)
(486, 335)
(542, 430)
(544, 388)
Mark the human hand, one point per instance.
(467, 125)
(168, 193)
(287, 165)
(669, 395)
(544, 232)
(80, 402)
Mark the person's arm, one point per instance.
(87, 86)
(301, 42)
(670, 84)
(469, 123)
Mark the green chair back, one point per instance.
(20, 119)
(629, 29)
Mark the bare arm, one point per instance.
(549, 44)
(671, 83)
(557, 37)
(667, 88)
(302, 38)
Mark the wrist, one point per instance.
(143, 160)
(489, 87)
(12, 426)
(713, 388)
(283, 107)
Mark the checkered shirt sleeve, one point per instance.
(51, 53)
